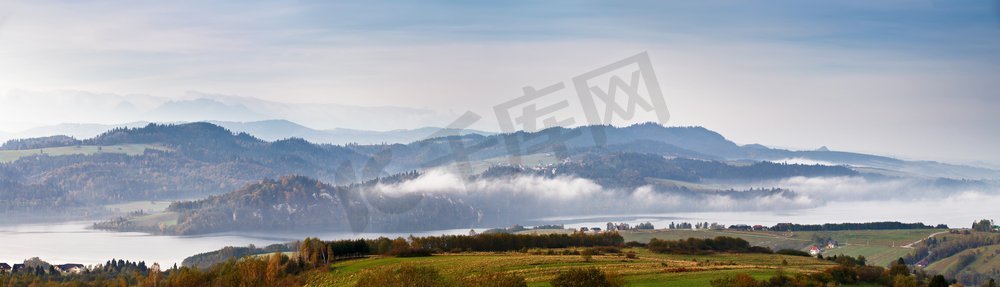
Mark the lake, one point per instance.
(72, 242)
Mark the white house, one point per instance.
(813, 250)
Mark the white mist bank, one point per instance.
(563, 195)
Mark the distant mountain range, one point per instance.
(195, 160)
(270, 130)
(82, 107)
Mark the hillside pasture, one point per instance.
(649, 269)
(129, 149)
(987, 261)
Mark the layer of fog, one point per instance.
(512, 199)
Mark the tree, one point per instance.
(899, 268)
(274, 268)
(904, 281)
(154, 275)
(251, 272)
(329, 253)
(938, 281)
(983, 225)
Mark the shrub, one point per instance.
(410, 252)
(634, 244)
(598, 250)
(495, 280)
(738, 280)
(793, 252)
(587, 254)
(589, 277)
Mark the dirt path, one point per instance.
(918, 241)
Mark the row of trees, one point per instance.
(511, 242)
(885, 225)
(704, 246)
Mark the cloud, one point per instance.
(844, 74)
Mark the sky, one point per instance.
(912, 79)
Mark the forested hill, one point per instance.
(297, 202)
(632, 170)
(191, 160)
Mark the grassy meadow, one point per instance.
(649, 269)
(987, 260)
(880, 247)
(129, 149)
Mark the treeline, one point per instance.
(885, 225)
(517, 228)
(705, 246)
(39, 143)
(511, 242)
(314, 250)
(114, 272)
(207, 259)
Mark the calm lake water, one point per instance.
(72, 242)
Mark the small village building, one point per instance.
(71, 268)
(813, 250)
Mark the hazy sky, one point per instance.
(916, 79)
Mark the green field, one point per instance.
(477, 166)
(874, 255)
(887, 238)
(880, 247)
(148, 206)
(987, 260)
(129, 149)
(649, 269)
(155, 220)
